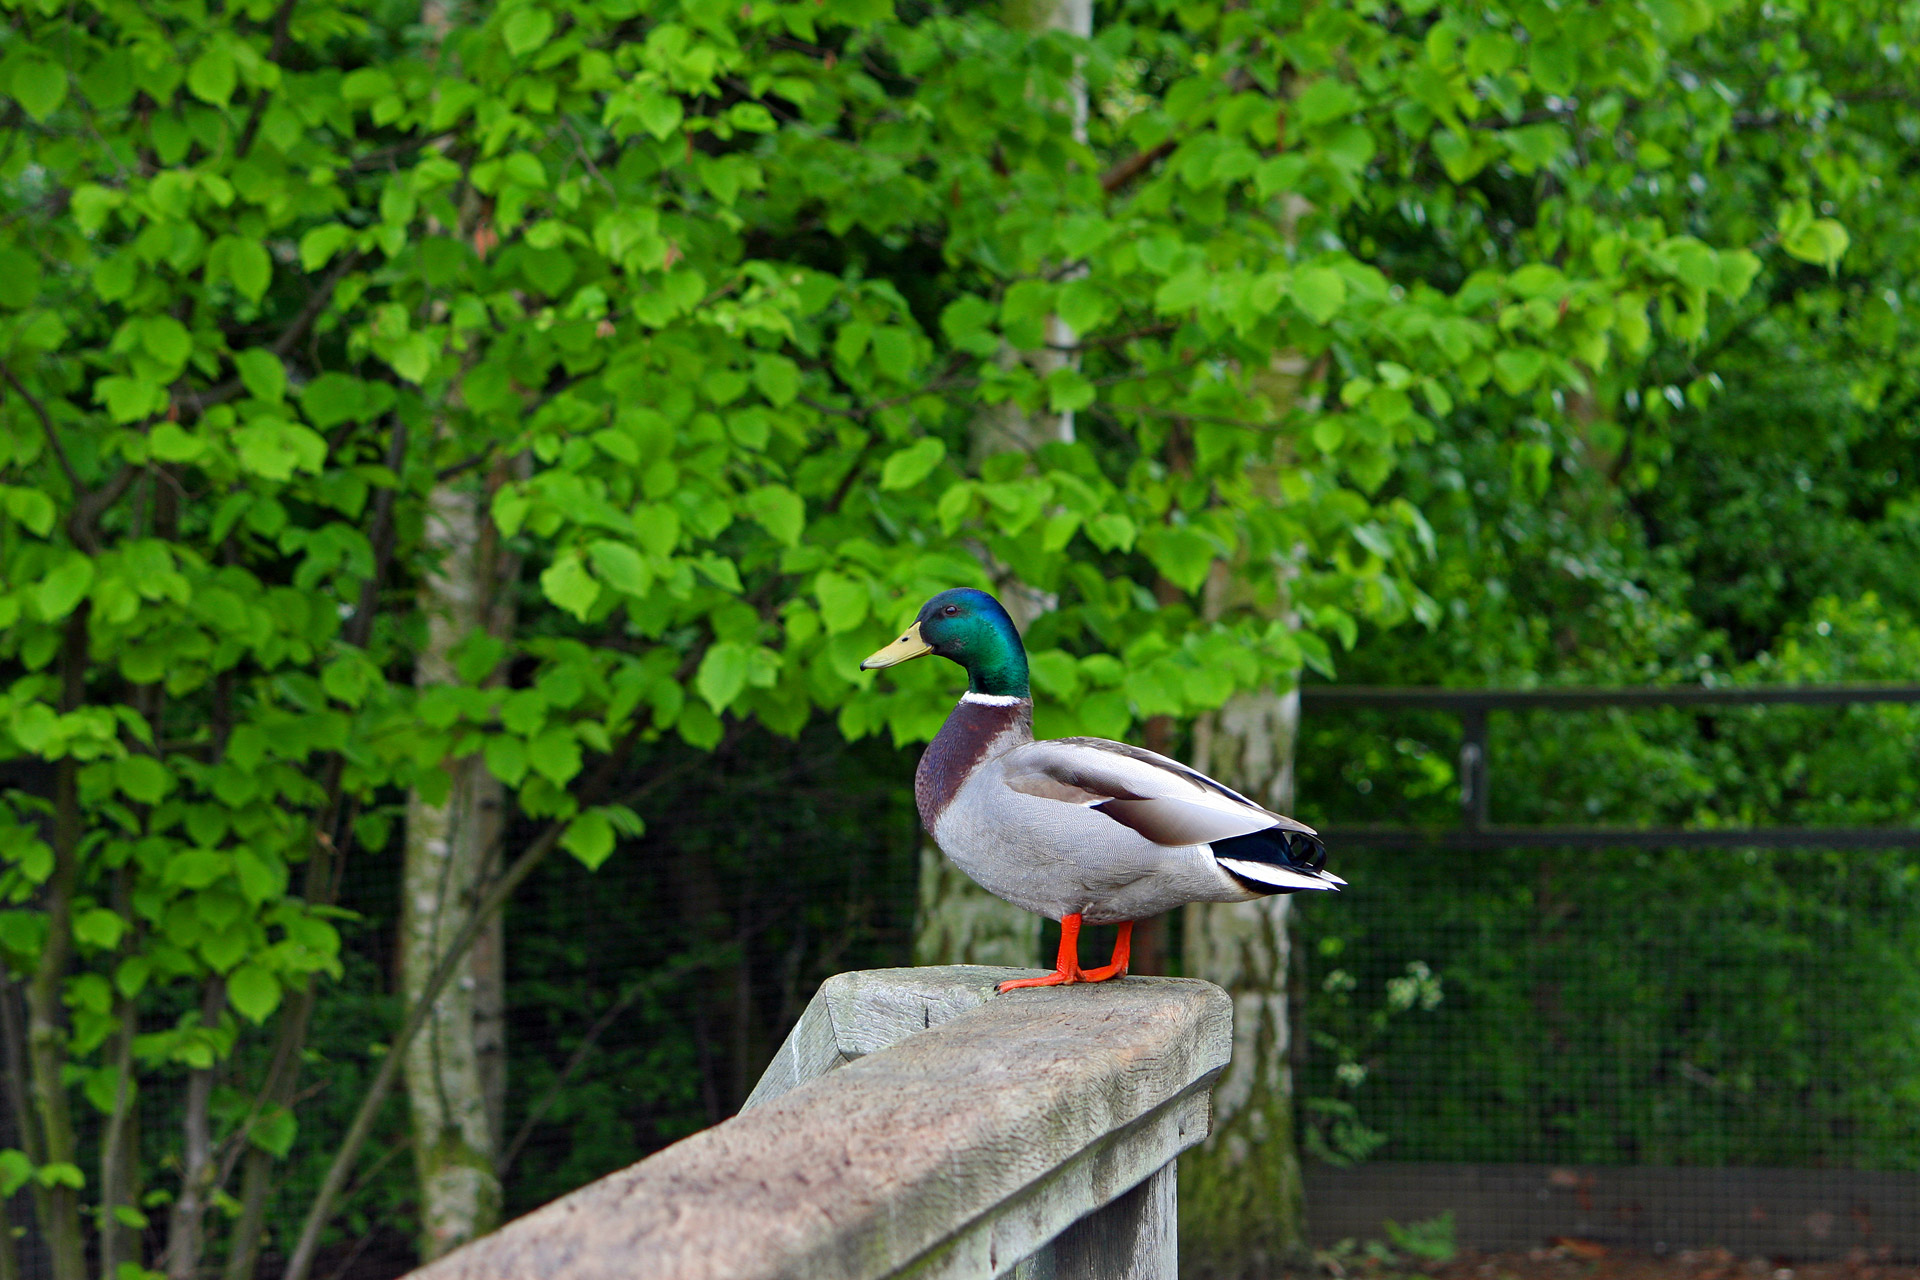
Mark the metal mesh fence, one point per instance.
(1599, 1016)
(1658, 1049)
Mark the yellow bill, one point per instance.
(907, 646)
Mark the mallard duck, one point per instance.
(1080, 830)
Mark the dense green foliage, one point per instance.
(1744, 513)
(1394, 315)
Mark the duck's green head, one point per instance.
(972, 629)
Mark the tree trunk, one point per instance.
(1241, 1206)
(956, 921)
(59, 1204)
(454, 1067)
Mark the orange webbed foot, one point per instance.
(1067, 970)
(1058, 978)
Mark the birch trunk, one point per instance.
(1242, 1213)
(455, 1067)
(956, 921)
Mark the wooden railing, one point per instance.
(916, 1124)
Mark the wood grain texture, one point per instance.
(855, 1014)
(956, 1152)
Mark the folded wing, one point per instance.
(1171, 804)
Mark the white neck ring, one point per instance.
(990, 699)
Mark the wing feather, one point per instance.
(1162, 799)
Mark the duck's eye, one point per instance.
(951, 610)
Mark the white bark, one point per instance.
(455, 1067)
(958, 922)
(1241, 1209)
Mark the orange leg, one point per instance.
(1067, 968)
(1122, 949)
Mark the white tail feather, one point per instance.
(1280, 877)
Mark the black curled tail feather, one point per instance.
(1295, 851)
(1292, 849)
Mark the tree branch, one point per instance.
(282, 21)
(300, 1265)
(46, 424)
(1135, 165)
(290, 337)
(658, 978)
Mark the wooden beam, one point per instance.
(958, 1151)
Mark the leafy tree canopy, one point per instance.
(709, 299)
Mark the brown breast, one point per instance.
(974, 732)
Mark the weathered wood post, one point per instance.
(916, 1124)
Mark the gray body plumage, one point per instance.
(1082, 826)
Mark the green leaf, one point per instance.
(334, 398)
(32, 508)
(261, 877)
(893, 352)
(589, 837)
(1183, 555)
(1112, 532)
(366, 85)
(699, 725)
(39, 87)
(968, 324)
(1460, 156)
(1821, 241)
(507, 759)
(99, 927)
(130, 399)
(211, 77)
(273, 1133)
(778, 379)
(19, 279)
(1083, 305)
(1554, 64)
(1068, 390)
(130, 975)
(620, 567)
(1325, 100)
(142, 778)
(247, 265)
(15, 1171)
(254, 992)
(62, 589)
(913, 464)
(1319, 291)
(60, 1174)
(661, 113)
(195, 868)
(779, 511)
(262, 373)
(275, 449)
(555, 754)
(1518, 368)
(657, 528)
(843, 602)
(166, 339)
(568, 584)
(318, 246)
(411, 357)
(526, 30)
(723, 674)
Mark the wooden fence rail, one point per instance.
(915, 1124)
